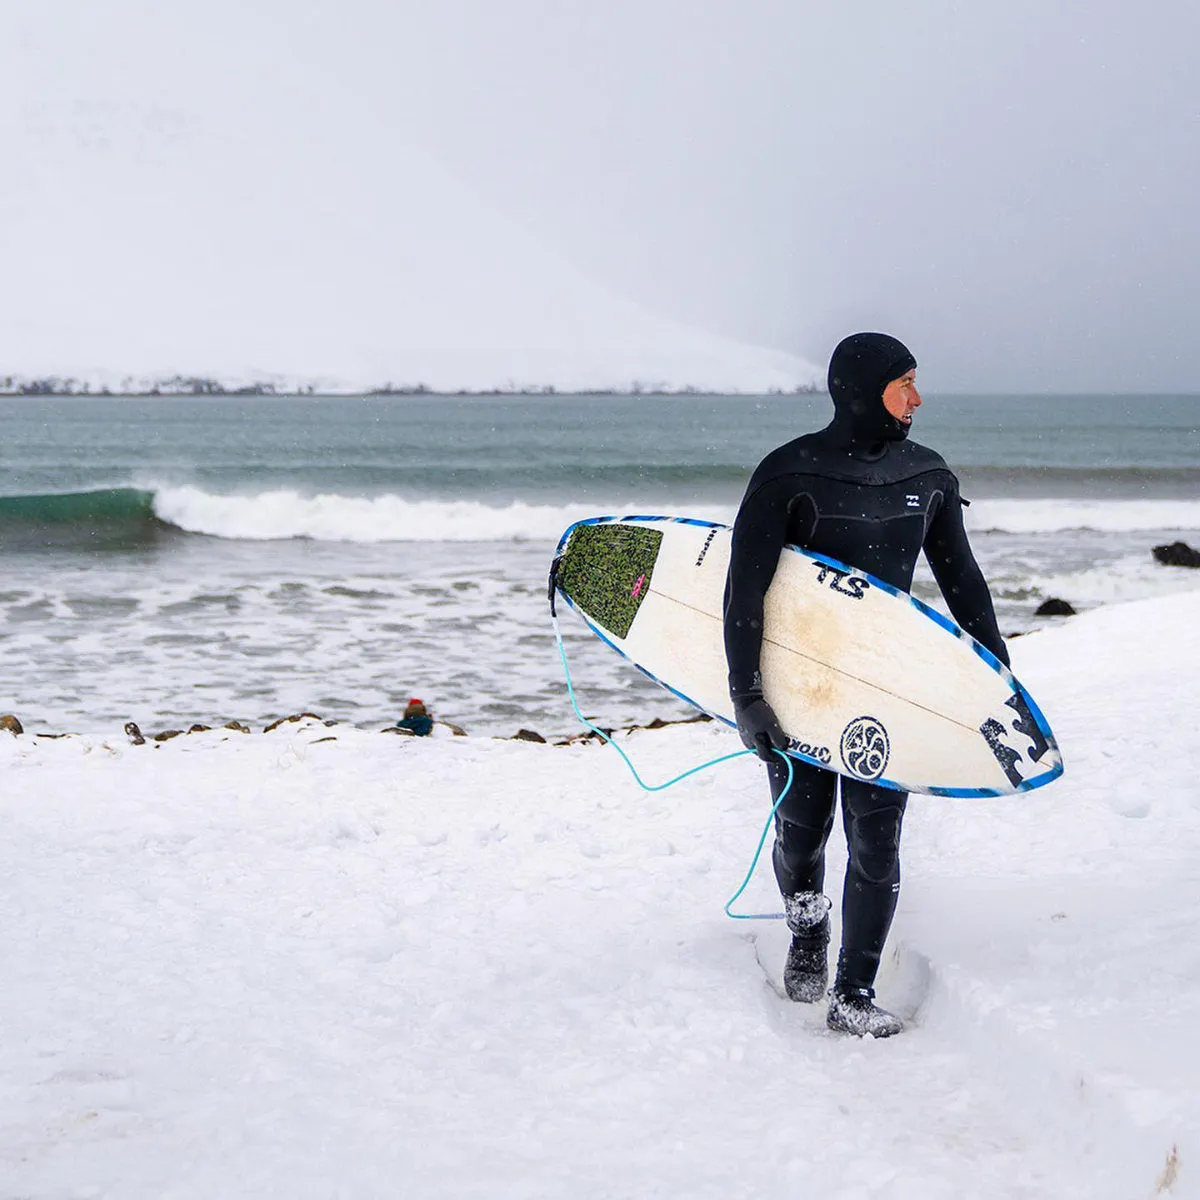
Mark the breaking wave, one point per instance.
(126, 516)
(335, 518)
(105, 517)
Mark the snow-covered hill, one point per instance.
(178, 205)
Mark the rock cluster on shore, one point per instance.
(13, 725)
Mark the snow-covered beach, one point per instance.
(324, 961)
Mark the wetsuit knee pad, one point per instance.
(802, 824)
(873, 820)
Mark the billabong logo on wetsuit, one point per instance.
(820, 753)
(842, 581)
(995, 731)
(865, 747)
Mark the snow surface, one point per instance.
(179, 203)
(328, 962)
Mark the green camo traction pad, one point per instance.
(605, 571)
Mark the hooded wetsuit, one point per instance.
(860, 492)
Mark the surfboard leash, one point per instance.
(659, 787)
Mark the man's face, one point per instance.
(901, 397)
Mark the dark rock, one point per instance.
(9, 722)
(135, 734)
(200, 729)
(237, 727)
(167, 735)
(1176, 554)
(527, 735)
(589, 735)
(660, 723)
(294, 717)
(457, 730)
(1055, 607)
(655, 723)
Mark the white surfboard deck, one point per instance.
(865, 679)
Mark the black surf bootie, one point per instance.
(806, 971)
(853, 1010)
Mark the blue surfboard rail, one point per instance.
(1031, 707)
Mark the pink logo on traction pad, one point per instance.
(637, 587)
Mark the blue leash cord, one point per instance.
(772, 916)
(658, 787)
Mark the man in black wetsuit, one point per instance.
(857, 491)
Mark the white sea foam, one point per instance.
(237, 625)
(1133, 577)
(1107, 516)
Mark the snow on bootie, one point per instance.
(853, 1010)
(806, 971)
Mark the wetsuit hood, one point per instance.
(861, 367)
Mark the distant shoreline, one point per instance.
(194, 386)
(20, 388)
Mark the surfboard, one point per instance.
(866, 680)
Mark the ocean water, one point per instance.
(177, 560)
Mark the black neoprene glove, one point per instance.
(758, 727)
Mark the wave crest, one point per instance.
(276, 515)
(100, 518)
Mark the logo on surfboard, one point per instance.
(865, 747)
(1026, 725)
(841, 581)
(811, 749)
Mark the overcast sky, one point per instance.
(1011, 187)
